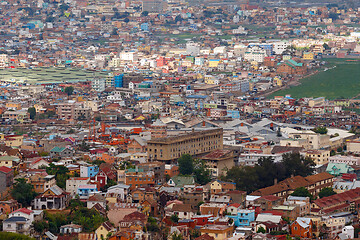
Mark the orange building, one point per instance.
(136, 145)
(171, 170)
(138, 178)
(9, 206)
(291, 67)
(106, 158)
(302, 227)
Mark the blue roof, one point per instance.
(16, 219)
(197, 96)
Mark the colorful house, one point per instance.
(302, 227)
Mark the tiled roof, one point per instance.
(5, 169)
(338, 199)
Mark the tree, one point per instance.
(195, 233)
(302, 192)
(326, 46)
(114, 31)
(261, 230)
(333, 16)
(246, 178)
(145, 13)
(201, 172)
(295, 164)
(152, 225)
(176, 236)
(69, 90)
(325, 192)
(321, 130)
(60, 172)
(32, 112)
(186, 164)
(23, 192)
(126, 20)
(174, 218)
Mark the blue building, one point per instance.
(243, 217)
(119, 80)
(88, 171)
(84, 191)
(233, 114)
(144, 27)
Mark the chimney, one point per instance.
(275, 181)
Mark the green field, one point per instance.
(343, 81)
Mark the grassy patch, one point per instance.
(343, 81)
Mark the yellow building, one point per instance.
(39, 108)
(194, 143)
(13, 106)
(104, 230)
(218, 232)
(8, 161)
(14, 140)
(308, 56)
(214, 62)
(320, 157)
(278, 81)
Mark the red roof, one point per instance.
(235, 205)
(270, 198)
(338, 199)
(5, 169)
(24, 210)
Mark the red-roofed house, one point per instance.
(23, 212)
(38, 163)
(232, 209)
(336, 203)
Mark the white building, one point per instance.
(280, 47)
(72, 184)
(192, 49)
(131, 56)
(255, 54)
(348, 231)
(98, 84)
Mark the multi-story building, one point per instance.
(98, 84)
(73, 183)
(219, 161)
(139, 178)
(255, 53)
(320, 157)
(6, 178)
(283, 189)
(41, 183)
(88, 171)
(171, 148)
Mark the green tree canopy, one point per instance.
(321, 130)
(32, 112)
(302, 192)
(296, 164)
(266, 171)
(69, 90)
(23, 192)
(186, 164)
(326, 192)
(60, 172)
(201, 172)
